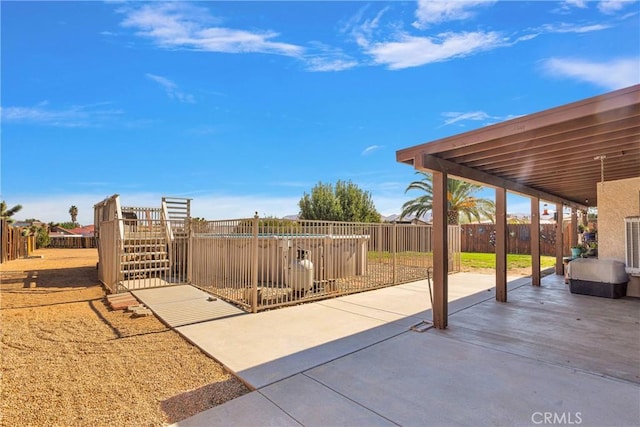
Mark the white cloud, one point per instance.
(560, 28)
(323, 63)
(78, 116)
(409, 51)
(610, 7)
(363, 32)
(581, 4)
(434, 12)
(322, 57)
(572, 28)
(185, 26)
(171, 89)
(454, 117)
(398, 48)
(370, 149)
(611, 75)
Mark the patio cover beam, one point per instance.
(583, 114)
(433, 163)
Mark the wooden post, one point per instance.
(535, 242)
(440, 251)
(501, 244)
(574, 227)
(559, 240)
(254, 266)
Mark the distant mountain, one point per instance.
(396, 217)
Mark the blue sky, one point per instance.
(244, 106)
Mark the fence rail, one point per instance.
(260, 264)
(13, 244)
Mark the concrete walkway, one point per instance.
(181, 305)
(354, 361)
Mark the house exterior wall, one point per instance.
(617, 200)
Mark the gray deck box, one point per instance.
(598, 277)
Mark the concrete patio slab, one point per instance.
(391, 303)
(459, 299)
(430, 379)
(334, 410)
(615, 323)
(266, 347)
(270, 346)
(364, 310)
(252, 409)
(496, 364)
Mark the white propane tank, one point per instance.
(301, 273)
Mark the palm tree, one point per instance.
(8, 213)
(459, 195)
(73, 211)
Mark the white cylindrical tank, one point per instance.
(301, 273)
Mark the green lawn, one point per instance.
(470, 259)
(482, 260)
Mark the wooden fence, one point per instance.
(71, 242)
(14, 245)
(481, 238)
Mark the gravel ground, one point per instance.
(67, 360)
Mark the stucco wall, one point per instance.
(617, 200)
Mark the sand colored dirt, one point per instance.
(68, 360)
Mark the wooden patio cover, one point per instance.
(557, 155)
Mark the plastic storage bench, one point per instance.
(598, 277)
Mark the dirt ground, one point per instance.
(67, 360)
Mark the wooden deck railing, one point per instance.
(140, 247)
